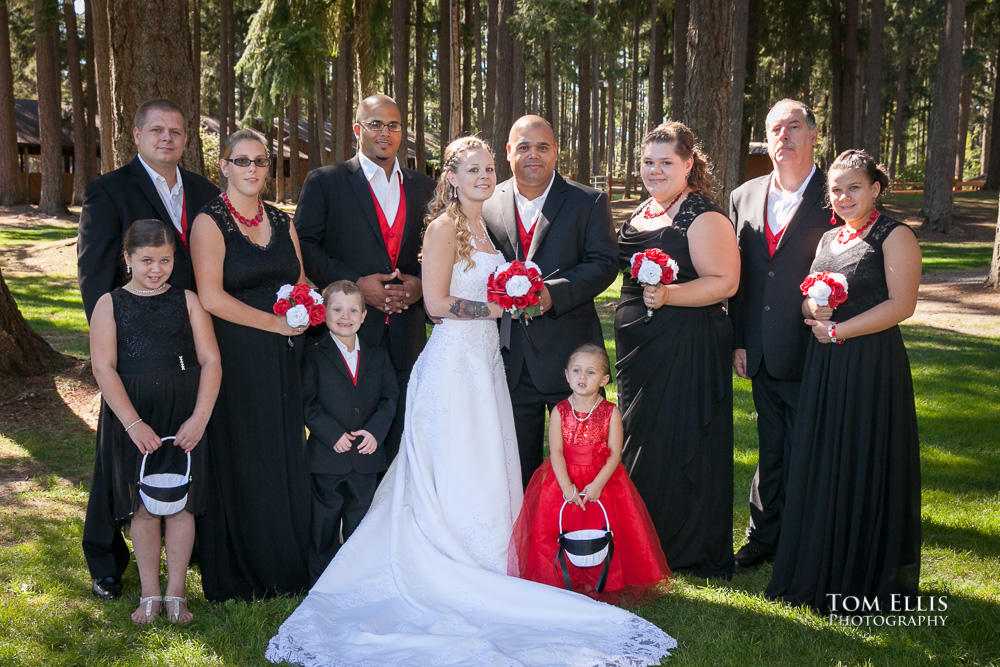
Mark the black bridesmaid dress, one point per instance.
(675, 389)
(254, 538)
(852, 510)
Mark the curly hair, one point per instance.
(445, 198)
(857, 158)
(700, 179)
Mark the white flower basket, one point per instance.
(164, 494)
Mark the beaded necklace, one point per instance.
(845, 236)
(666, 208)
(257, 219)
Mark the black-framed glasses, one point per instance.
(245, 161)
(377, 125)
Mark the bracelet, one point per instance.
(569, 500)
(831, 329)
(132, 424)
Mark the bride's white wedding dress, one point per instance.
(423, 581)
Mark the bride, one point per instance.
(423, 579)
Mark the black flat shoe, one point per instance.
(749, 558)
(107, 588)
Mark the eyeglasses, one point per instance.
(245, 161)
(377, 125)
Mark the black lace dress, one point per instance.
(255, 536)
(852, 509)
(159, 368)
(675, 390)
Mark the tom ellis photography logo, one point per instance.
(897, 610)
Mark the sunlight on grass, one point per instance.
(955, 256)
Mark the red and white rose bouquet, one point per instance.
(300, 304)
(652, 268)
(825, 288)
(515, 286)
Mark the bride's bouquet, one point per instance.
(300, 304)
(653, 267)
(825, 288)
(515, 287)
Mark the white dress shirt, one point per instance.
(172, 198)
(782, 205)
(530, 209)
(351, 358)
(387, 197)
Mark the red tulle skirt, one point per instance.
(638, 573)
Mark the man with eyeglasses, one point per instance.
(150, 186)
(361, 220)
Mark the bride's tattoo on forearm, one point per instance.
(464, 309)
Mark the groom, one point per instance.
(566, 229)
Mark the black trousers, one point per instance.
(104, 546)
(339, 503)
(530, 407)
(776, 402)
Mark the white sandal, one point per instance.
(177, 600)
(150, 616)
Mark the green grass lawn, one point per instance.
(48, 617)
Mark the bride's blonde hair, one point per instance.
(445, 198)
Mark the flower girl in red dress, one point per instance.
(584, 466)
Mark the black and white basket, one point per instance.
(585, 548)
(164, 493)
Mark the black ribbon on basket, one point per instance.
(584, 547)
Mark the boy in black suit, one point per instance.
(350, 399)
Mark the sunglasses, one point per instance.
(245, 161)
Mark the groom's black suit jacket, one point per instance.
(767, 310)
(113, 202)
(575, 237)
(341, 239)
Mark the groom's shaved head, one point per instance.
(533, 124)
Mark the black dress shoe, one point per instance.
(750, 557)
(107, 588)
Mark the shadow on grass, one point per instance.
(35, 233)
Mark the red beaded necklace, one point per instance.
(846, 235)
(257, 219)
(666, 208)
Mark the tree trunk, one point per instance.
(361, 37)
(11, 192)
(633, 127)
(400, 71)
(993, 166)
(756, 112)
(681, 20)
(871, 128)
(503, 101)
(610, 148)
(938, 197)
(139, 72)
(550, 85)
(467, 69)
(419, 143)
(80, 176)
(52, 200)
(993, 279)
(709, 81)
(741, 21)
(964, 104)
(312, 131)
(91, 71)
(279, 171)
(105, 100)
(492, 34)
(519, 82)
(270, 189)
(583, 119)
(456, 70)
(226, 74)
(294, 164)
(444, 73)
(656, 65)
(845, 82)
(23, 352)
(477, 40)
(196, 52)
(899, 121)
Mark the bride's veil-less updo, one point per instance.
(445, 198)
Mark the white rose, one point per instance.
(500, 269)
(284, 292)
(518, 286)
(297, 316)
(316, 296)
(650, 272)
(528, 264)
(820, 293)
(841, 280)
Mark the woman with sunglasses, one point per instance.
(254, 537)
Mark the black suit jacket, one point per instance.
(574, 237)
(767, 310)
(341, 239)
(113, 202)
(334, 406)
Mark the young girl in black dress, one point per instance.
(156, 361)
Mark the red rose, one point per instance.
(517, 269)
(505, 302)
(281, 307)
(300, 295)
(534, 275)
(532, 298)
(657, 256)
(636, 265)
(317, 314)
(668, 275)
(520, 301)
(501, 281)
(807, 283)
(837, 294)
